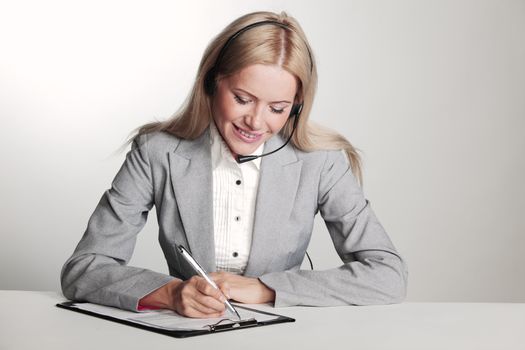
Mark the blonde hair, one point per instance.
(264, 44)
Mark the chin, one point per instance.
(243, 151)
(238, 147)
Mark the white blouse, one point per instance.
(234, 195)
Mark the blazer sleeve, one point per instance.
(97, 271)
(372, 271)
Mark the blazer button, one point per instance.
(235, 254)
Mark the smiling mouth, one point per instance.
(246, 134)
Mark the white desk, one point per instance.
(29, 320)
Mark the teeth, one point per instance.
(248, 135)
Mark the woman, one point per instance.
(247, 222)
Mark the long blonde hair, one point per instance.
(266, 44)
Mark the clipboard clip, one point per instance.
(220, 326)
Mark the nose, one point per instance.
(254, 120)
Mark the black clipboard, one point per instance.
(212, 328)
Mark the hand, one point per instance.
(243, 289)
(191, 298)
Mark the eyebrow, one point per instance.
(255, 97)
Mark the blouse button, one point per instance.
(238, 182)
(237, 218)
(235, 254)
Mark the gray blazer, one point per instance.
(175, 176)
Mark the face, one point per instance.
(252, 105)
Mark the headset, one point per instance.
(211, 76)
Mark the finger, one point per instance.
(203, 296)
(207, 304)
(185, 295)
(225, 289)
(194, 280)
(207, 289)
(192, 303)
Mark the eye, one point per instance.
(277, 111)
(240, 100)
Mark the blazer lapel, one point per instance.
(191, 178)
(279, 180)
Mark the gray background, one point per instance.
(432, 92)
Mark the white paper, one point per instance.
(167, 319)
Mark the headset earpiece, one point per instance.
(296, 110)
(209, 82)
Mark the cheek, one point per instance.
(228, 111)
(276, 124)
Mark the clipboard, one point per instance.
(262, 318)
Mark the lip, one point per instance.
(243, 138)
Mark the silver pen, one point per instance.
(187, 256)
